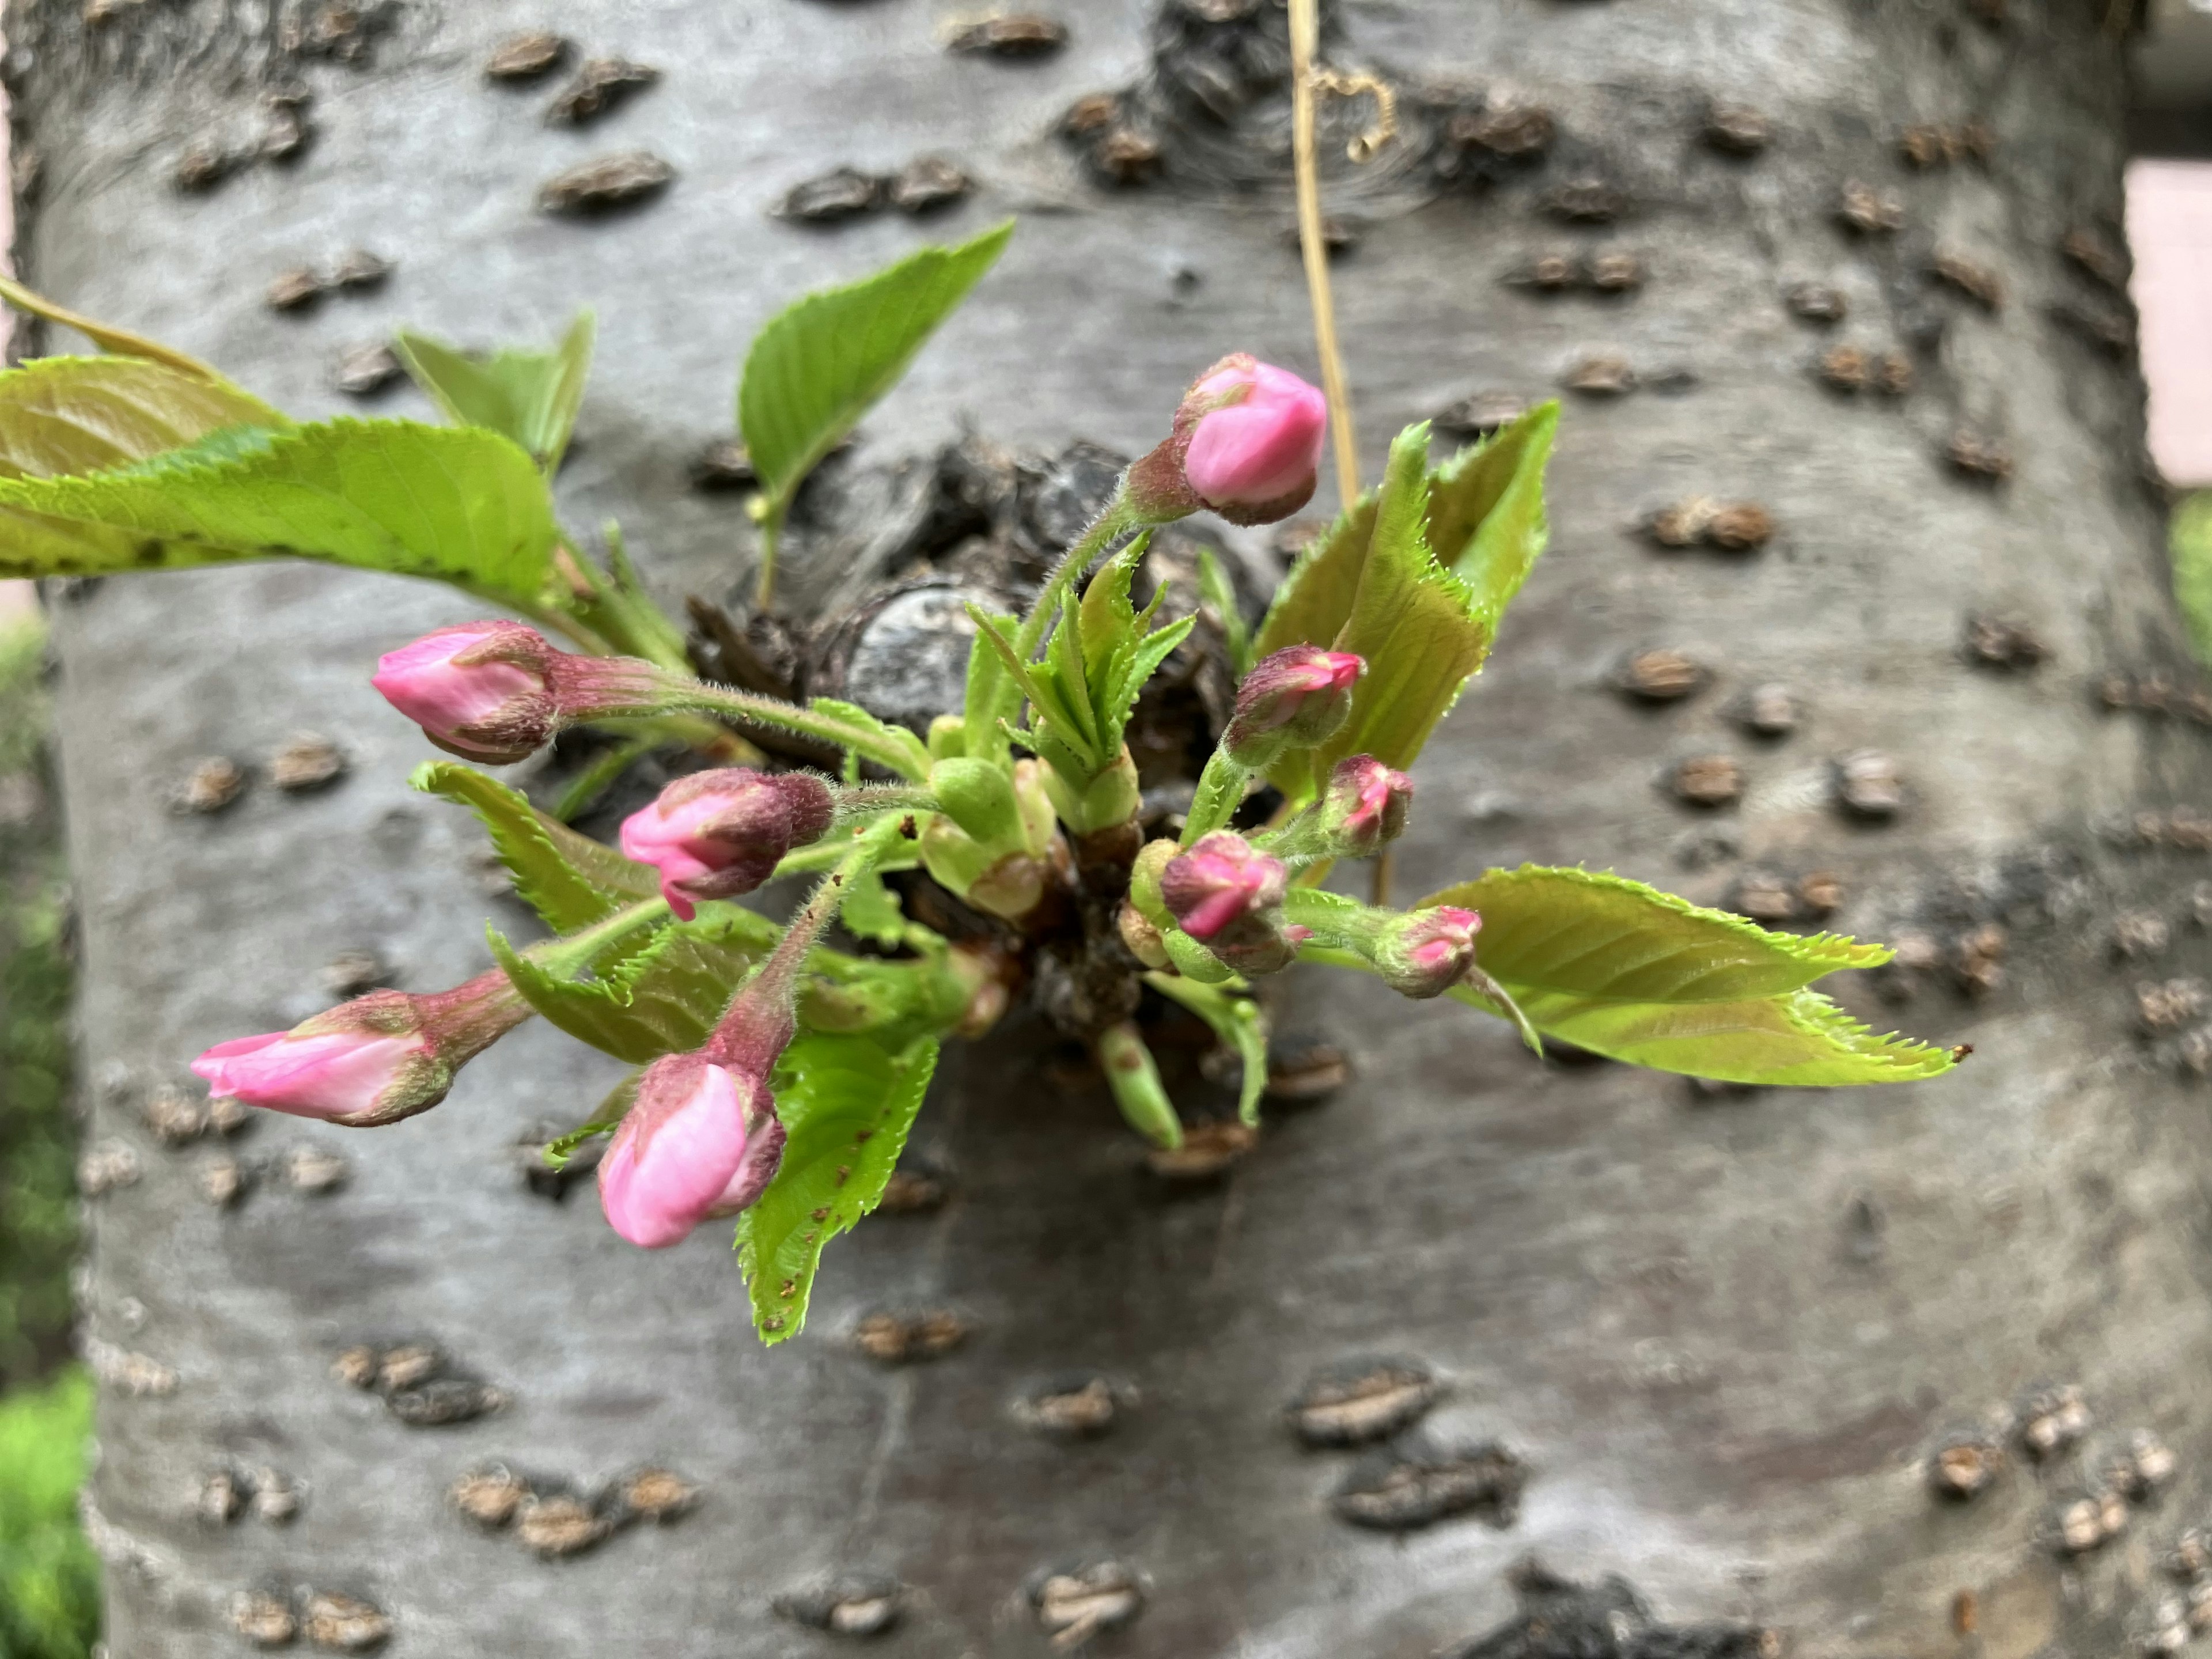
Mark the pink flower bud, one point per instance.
(1229, 897)
(482, 690)
(701, 1141)
(1296, 698)
(715, 834)
(1365, 807)
(1254, 451)
(1220, 881)
(496, 691)
(1423, 953)
(1246, 442)
(376, 1059)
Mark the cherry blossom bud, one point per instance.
(1246, 442)
(701, 1141)
(1299, 697)
(1423, 953)
(1229, 897)
(715, 834)
(496, 691)
(1220, 880)
(1365, 807)
(1255, 453)
(376, 1059)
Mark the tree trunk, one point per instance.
(1723, 1335)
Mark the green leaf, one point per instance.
(1410, 621)
(1797, 1039)
(1215, 588)
(992, 695)
(816, 366)
(892, 744)
(1590, 933)
(847, 1107)
(1315, 601)
(1106, 621)
(454, 504)
(604, 1121)
(663, 998)
(528, 396)
(106, 335)
(871, 911)
(1239, 1021)
(62, 415)
(569, 879)
(1487, 519)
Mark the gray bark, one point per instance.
(1722, 1332)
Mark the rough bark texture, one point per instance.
(1722, 1332)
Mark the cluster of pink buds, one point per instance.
(376, 1059)
(717, 834)
(1246, 444)
(496, 691)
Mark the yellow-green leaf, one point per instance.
(1591, 933)
(569, 879)
(1796, 1039)
(1410, 620)
(817, 365)
(530, 397)
(456, 504)
(1486, 518)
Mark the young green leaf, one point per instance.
(662, 998)
(847, 1106)
(1410, 621)
(894, 745)
(569, 879)
(604, 1121)
(108, 337)
(1487, 519)
(818, 365)
(62, 415)
(871, 911)
(528, 396)
(459, 505)
(1315, 601)
(1591, 933)
(1796, 1039)
(992, 694)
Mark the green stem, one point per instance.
(771, 531)
(760, 1018)
(859, 800)
(1220, 791)
(593, 780)
(1135, 1080)
(1479, 990)
(1239, 1021)
(700, 697)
